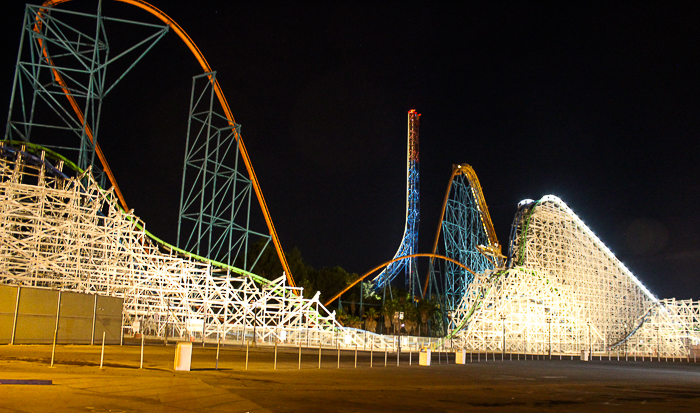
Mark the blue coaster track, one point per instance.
(409, 243)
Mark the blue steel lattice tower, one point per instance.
(409, 244)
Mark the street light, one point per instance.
(549, 339)
(503, 350)
(590, 342)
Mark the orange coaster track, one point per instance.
(480, 202)
(222, 100)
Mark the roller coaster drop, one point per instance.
(559, 290)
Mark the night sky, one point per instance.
(598, 105)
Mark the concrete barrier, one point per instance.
(183, 356)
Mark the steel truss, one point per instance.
(70, 234)
(409, 242)
(566, 293)
(467, 236)
(214, 218)
(62, 79)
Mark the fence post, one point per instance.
(55, 331)
(53, 350)
(143, 338)
(14, 322)
(102, 356)
(218, 344)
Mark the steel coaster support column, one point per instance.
(462, 231)
(215, 199)
(467, 235)
(61, 80)
(56, 78)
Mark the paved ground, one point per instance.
(78, 385)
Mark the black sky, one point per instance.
(597, 104)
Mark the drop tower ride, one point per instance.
(409, 244)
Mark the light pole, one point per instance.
(590, 342)
(503, 349)
(255, 323)
(549, 336)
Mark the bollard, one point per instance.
(338, 347)
(386, 353)
(371, 354)
(247, 344)
(410, 355)
(356, 355)
(299, 356)
(275, 365)
(102, 356)
(143, 338)
(319, 352)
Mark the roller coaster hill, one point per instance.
(557, 290)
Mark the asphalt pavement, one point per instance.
(76, 383)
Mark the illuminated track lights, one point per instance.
(569, 293)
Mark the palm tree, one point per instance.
(353, 321)
(371, 317)
(390, 307)
(426, 310)
(341, 317)
(411, 318)
(353, 299)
